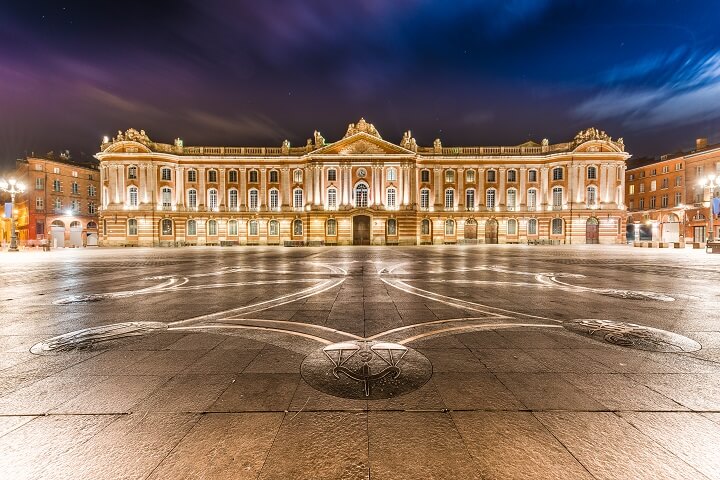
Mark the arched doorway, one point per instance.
(57, 233)
(471, 229)
(592, 230)
(361, 230)
(491, 231)
(76, 234)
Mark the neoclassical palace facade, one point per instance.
(361, 190)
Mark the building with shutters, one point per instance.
(361, 190)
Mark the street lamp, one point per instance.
(709, 183)
(12, 186)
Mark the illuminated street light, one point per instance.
(709, 183)
(12, 186)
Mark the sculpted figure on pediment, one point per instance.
(362, 126)
(319, 139)
(437, 146)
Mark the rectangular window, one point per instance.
(470, 199)
(40, 228)
(391, 175)
(653, 185)
(192, 198)
(57, 186)
(192, 176)
(132, 227)
(512, 175)
(665, 183)
(424, 198)
(253, 199)
(298, 198)
(165, 174)
(58, 204)
(91, 208)
(511, 199)
(532, 199)
(56, 170)
(39, 203)
(75, 188)
(38, 167)
(253, 176)
(491, 176)
(274, 199)
(470, 176)
(74, 174)
(652, 202)
(666, 169)
(678, 198)
(233, 198)
(557, 197)
(233, 226)
(332, 199)
(532, 176)
(273, 176)
(632, 177)
(391, 198)
(653, 172)
(449, 199)
(75, 205)
(425, 176)
(132, 173)
(232, 176)
(212, 176)
(678, 181)
(532, 227)
(332, 175)
(91, 190)
(39, 184)
(449, 176)
(641, 204)
(557, 173)
(664, 201)
(631, 205)
(631, 190)
(642, 188)
(490, 198)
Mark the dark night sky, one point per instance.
(255, 72)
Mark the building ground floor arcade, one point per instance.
(358, 227)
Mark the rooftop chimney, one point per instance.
(701, 143)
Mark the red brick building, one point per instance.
(60, 202)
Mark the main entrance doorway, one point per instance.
(361, 230)
(491, 231)
(592, 230)
(471, 230)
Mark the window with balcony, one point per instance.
(361, 195)
(511, 201)
(233, 198)
(253, 203)
(532, 199)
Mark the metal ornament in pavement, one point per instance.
(631, 335)
(366, 369)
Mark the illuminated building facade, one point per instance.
(666, 200)
(60, 203)
(361, 190)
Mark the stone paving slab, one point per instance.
(218, 391)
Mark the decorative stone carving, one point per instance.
(132, 135)
(361, 146)
(408, 141)
(621, 143)
(437, 146)
(319, 139)
(285, 146)
(362, 126)
(545, 142)
(591, 133)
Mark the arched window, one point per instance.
(449, 199)
(361, 195)
(391, 227)
(253, 176)
(274, 199)
(165, 174)
(132, 227)
(212, 227)
(192, 228)
(298, 198)
(297, 176)
(192, 198)
(556, 226)
(557, 173)
(166, 197)
(532, 226)
(470, 176)
(512, 227)
(424, 199)
(331, 227)
(253, 203)
(511, 200)
(490, 198)
(449, 176)
(425, 227)
(391, 175)
(591, 196)
(449, 226)
(273, 228)
(212, 199)
(531, 199)
(592, 173)
(253, 228)
(233, 198)
(212, 176)
(192, 175)
(166, 226)
(512, 175)
(93, 225)
(233, 176)
(297, 227)
(557, 196)
(133, 196)
(391, 198)
(232, 227)
(332, 198)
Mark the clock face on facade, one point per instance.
(361, 172)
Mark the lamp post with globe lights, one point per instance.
(710, 183)
(12, 187)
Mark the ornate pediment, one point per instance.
(599, 141)
(362, 126)
(362, 143)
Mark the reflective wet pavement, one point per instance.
(436, 362)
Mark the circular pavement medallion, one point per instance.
(632, 335)
(366, 370)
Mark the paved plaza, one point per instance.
(462, 362)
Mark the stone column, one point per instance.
(621, 192)
(113, 185)
(262, 195)
(318, 175)
(284, 187)
(307, 185)
(522, 194)
(143, 177)
(242, 194)
(222, 194)
(603, 184)
(121, 182)
(460, 200)
(438, 188)
(502, 172)
(202, 193)
(581, 177)
(481, 188)
(545, 191)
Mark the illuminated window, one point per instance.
(166, 226)
(361, 195)
(212, 199)
(449, 176)
(470, 176)
(297, 176)
(253, 199)
(591, 196)
(273, 228)
(449, 227)
(132, 227)
(391, 227)
(274, 199)
(233, 227)
(166, 197)
(424, 198)
(532, 227)
(557, 197)
(425, 227)
(470, 198)
(133, 194)
(391, 198)
(233, 198)
(532, 199)
(233, 176)
(391, 175)
(298, 198)
(511, 200)
(212, 227)
(490, 198)
(512, 227)
(557, 226)
(297, 227)
(331, 227)
(192, 228)
(449, 199)
(332, 198)
(253, 228)
(192, 198)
